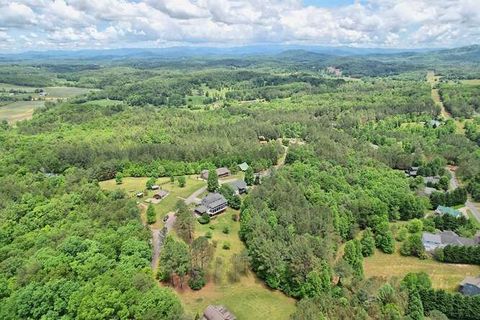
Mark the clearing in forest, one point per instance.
(19, 110)
(444, 275)
(249, 298)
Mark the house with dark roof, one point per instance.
(239, 187)
(441, 210)
(217, 313)
(412, 172)
(442, 239)
(212, 204)
(221, 173)
(470, 286)
(160, 194)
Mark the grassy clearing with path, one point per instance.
(65, 92)
(443, 275)
(473, 82)
(133, 185)
(247, 299)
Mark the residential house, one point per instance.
(160, 194)
(412, 172)
(470, 286)
(221, 173)
(243, 166)
(217, 313)
(239, 187)
(442, 239)
(441, 210)
(213, 203)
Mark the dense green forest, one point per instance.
(332, 150)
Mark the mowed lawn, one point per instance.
(443, 275)
(19, 110)
(133, 185)
(247, 299)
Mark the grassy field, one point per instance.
(8, 86)
(444, 276)
(19, 110)
(473, 82)
(247, 299)
(64, 92)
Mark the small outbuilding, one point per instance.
(217, 313)
(243, 166)
(239, 187)
(155, 187)
(160, 194)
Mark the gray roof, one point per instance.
(201, 209)
(428, 191)
(433, 180)
(161, 193)
(238, 184)
(450, 237)
(446, 238)
(243, 166)
(474, 281)
(217, 313)
(222, 171)
(213, 200)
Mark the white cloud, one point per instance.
(119, 23)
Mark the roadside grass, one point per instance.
(444, 276)
(248, 298)
(19, 110)
(473, 219)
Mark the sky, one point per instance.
(100, 24)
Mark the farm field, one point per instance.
(64, 92)
(444, 276)
(19, 110)
(247, 299)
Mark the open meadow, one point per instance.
(249, 298)
(19, 110)
(443, 275)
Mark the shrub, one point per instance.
(226, 230)
(226, 245)
(204, 219)
(197, 280)
(208, 234)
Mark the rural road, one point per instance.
(454, 184)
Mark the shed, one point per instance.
(243, 166)
(238, 186)
(160, 194)
(217, 313)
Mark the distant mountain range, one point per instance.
(287, 51)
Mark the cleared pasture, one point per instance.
(19, 110)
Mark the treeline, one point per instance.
(459, 254)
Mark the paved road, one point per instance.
(454, 184)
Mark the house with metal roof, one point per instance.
(470, 286)
(212, 204)
(441, 210)
(243, 166)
